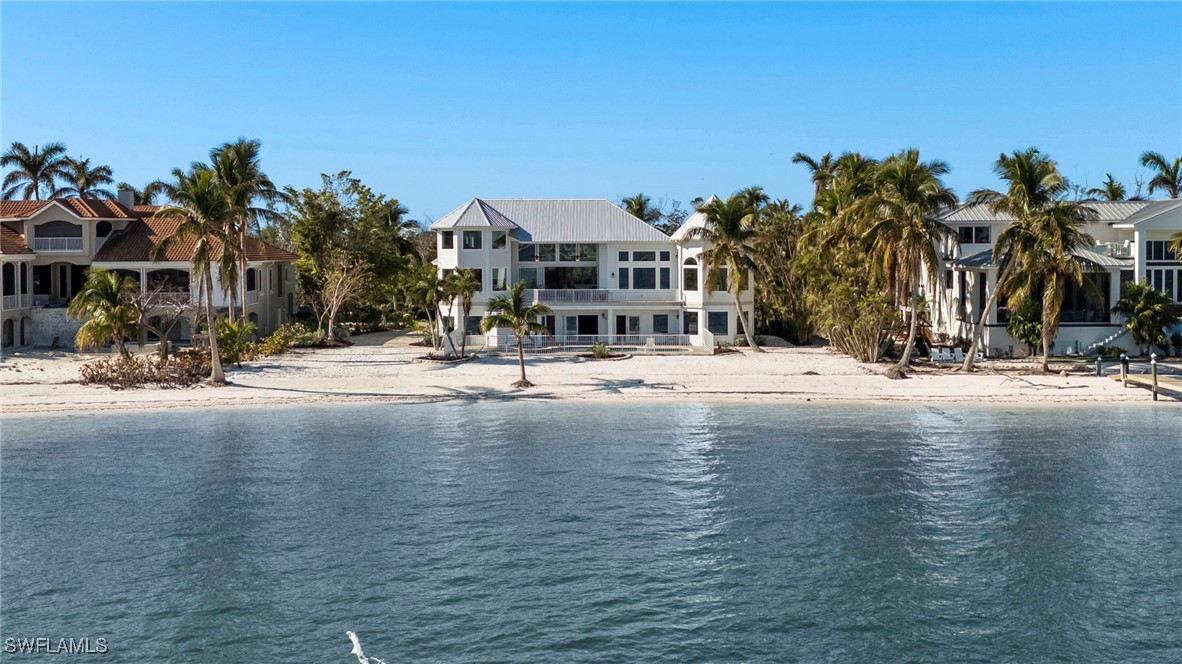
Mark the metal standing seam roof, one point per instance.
(552, 220)
(1106, 211)
(1154, 209)
(985, 259)
(695, 220)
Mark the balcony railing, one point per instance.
(581, 343)
(252, 297)
(593, 295)
(17, 301)
(166, 298)
(1115, 249)
(51, 244)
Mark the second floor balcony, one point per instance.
(600, 295)
(57, 244)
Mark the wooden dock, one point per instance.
(1169, 385)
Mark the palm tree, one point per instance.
(641, 207)
(1049, 263)
(731, 242)
(236, 166)
(106, 304)
(145, 196)
(1148, 313)
(1169, 173)
(85, 181)
(463, 286)
(1111, 191)
(33, 170)
(511, 311)
(821, 171)
(201, 200)
(904, 232)
(1034, 183)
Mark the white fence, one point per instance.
(577, 295)
(50, 244)
(581, 343)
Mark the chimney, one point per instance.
(126, 198)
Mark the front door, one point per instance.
(589, 325)
(621, 325)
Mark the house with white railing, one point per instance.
(607, 275)
(1132, 244)
(46, 247)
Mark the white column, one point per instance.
(1138, 255)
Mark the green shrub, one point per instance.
(600, 350)
(1176, 340)
(283, 339)
(235, 340)
(1110, 352)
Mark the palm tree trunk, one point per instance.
(905, 361)
(119, 343)
(467, 309)
(979, 328)
(521, 359)
(743, 324)
(216, 376)
(242, 266)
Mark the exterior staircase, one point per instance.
(1107, 341)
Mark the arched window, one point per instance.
(58, 229)
(10, 279)
(689, 275)
(252, 276)
(102, 229)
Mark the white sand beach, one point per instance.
(381, 367)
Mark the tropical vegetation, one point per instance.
(510, 311)
(106, 306)
(1148, 314)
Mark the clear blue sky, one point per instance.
(434, 104)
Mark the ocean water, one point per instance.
(560, 532)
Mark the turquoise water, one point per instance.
(543, 532)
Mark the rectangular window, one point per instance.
(624, 278)
(689, 278)
(546, 253)
(720, 284)
(568, 252)
(499, 239)
(472, 239)
(981, 234)
(664, 278)
(690, 323)
(664, 256)
(964, 234)
(588, 252)
(526, 252)
(623, 257)
(473, 326)
(717, 322)
(644, 256)
(447, 272)
(572, 325)
(447, 239)
(479, 276)
(644, 278)
(581, 278)
(500, 278)
(1126, 276)
(549, 322)
(1158, 250)
(634, 325)
(947, 278)
(529, 276)
(660, 323)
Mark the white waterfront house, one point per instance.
(46, 247)
(1132, 244)
(607, 275)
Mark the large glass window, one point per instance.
(588, 252)
(472, 239)
(526, 252)
(447, 239)
(473, 326)
(499, 239)
(689, 278)
(634, 325)
(690, 323)
(500, 278)
(644, 256)
(624, 278)
(717, 322)
(644, 278)
(528, 276)
(664, 278)
(973, 234)
(720, 281)
(1158, 250)
(981, 235)
(479, 276)
(580, 278)
(660, 323)
(546, 253)
(568, 252)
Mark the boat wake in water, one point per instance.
(361, 653)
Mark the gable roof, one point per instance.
(136, 242)
(12, 242)
(85, 208)
(1106, 211)
(695, 220)
(552, 220)
(1148, 212)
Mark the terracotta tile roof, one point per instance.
(136, 242)
(12, 242)
(86, 208)
(19, 209)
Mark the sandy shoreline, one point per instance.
(381, 368)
